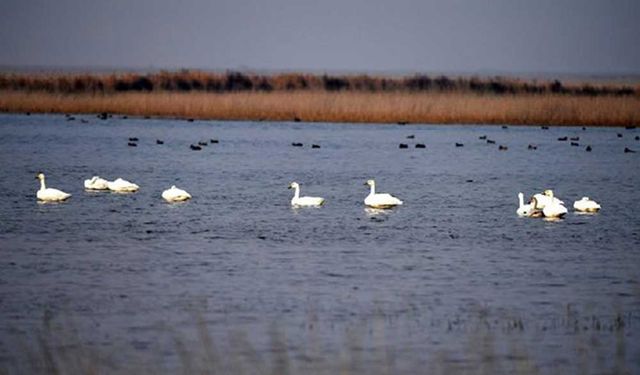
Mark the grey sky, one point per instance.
(511, 36)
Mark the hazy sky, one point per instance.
(509, 36)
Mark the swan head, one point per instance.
(520, 195)
(585, 198)
(40, 176)
(294, 185)
(370, 183)
(548, 193)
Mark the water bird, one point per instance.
(554, 210)
(628, 150)
(296, 119)
(159, 142)
(546, 198)
(133, 139)
(491, 141)
(575, 138)
(103, 116)
(195, 147)
(132, 144)
(403, 122)
(213, 140)
(505, 127)
(189, 120)
(315, 146)
(575, 144)
(483, 137)
(532, 147)
(629, 127)
(403, 145)
(637, 138)
(175, 195)
(562, 139)
(588, 148)
(412, 136)
(298, 201)
(544, 127)
(122, 186)
(380, 200)
(420, 145)
(503, 148)
(459, 144)
(586, 205)
(203, 143)
(70, 118)
(27, 113)
(49, 194)
(584, 128)
(296, 144)
(619, 135)
(96, 183)
(124, 117)
(527, 210)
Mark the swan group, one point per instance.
(545, 204)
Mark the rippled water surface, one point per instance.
(129, 273)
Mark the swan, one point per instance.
(48, 194)
(298, 201)
(586, 205)
(122, 186)
(96, 183)
(554, 210)
(175, 195)
(545, 198)
(380, 200)
(528, 210)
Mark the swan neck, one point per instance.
(296, 192)
(520, 200)
(373, 189)
(42, 185)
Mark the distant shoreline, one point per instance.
(306, 97)
(342, 107)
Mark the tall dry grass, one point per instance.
(355, 107)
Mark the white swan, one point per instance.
(528, 210)
(96, 183)
(48, 194)
(299, 201)
(586, 205)
(554, 210)
(546, 198)
(175, 195)
(380, 200)
(122, 186)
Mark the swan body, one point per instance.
(527, 210)
(546, 198)
(380, 200)
(122, 186)
(96, 183)
(586, 205)
(49, 194)
(554, 210)
(298, 201)
(175, 195)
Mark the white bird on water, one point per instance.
(298, 201)
(380, 200)
(49, 194)
(96, 183)
(586, 205)
(546, 198)
(527, 210)
(175, 195)
(122, 186)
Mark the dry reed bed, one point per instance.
(356, 107)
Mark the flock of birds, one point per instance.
(547, 205)
(174, 194)
(540, 205)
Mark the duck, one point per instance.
(175, 195)
(527, 210)
(380, 200)
(298, 201)
(49, 194)
(96, 183)
(586, 205)
(122, 186)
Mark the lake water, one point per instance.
(440, 282)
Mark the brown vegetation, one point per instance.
(361, 107)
